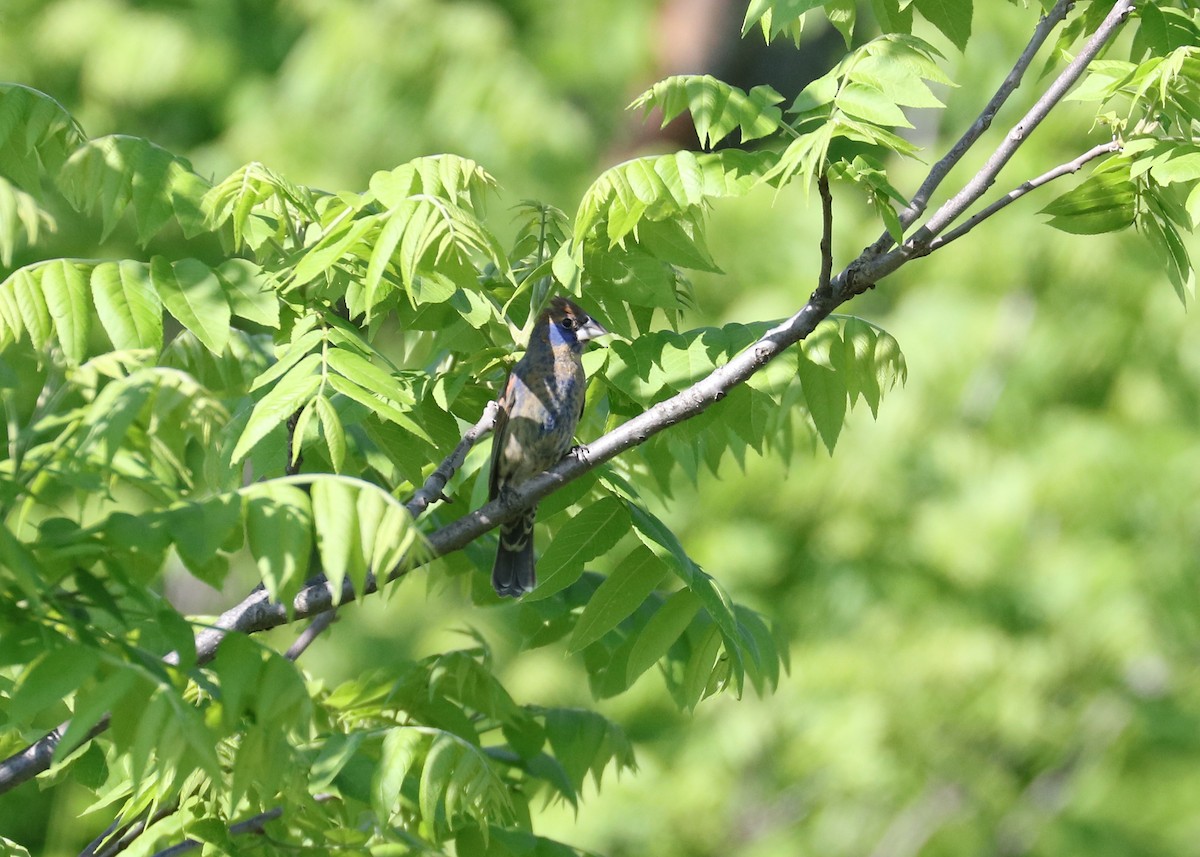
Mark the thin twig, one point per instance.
(255, 824)
(826, 234)
(920, 200)
(431, 491)
(1018, 192)
(319, 623)
(128, 834)
(134, 829)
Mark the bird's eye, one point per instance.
(568, 323)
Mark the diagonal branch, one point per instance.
(920, 200)
(257, 613)
(864, 272)
(431, 491)
(1022, 189)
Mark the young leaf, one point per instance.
(127, 305)
(279, 531)
(583, 538)
(1106, 201)
(400, 749)
(717, 108)
(665, 627)
(335, 434)
(64, 285)
(290, 394)
(192, 292)
(618, 596)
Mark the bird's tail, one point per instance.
(513, 574)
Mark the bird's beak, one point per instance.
(590, 331)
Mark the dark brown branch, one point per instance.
(255, 824)
(1024, 188)
(431, 491)
(826, 235)
(294, 458)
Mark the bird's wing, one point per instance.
(499, 436)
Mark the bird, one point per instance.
(535, 426)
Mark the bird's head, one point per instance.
(568, 324)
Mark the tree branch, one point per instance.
(826, 234)
(128, 833)
(131, 831)
(257, 613)
(431, 491)
(1024, 188)
(865, 271)
(920, 200)
(255, 824)
(319, 623)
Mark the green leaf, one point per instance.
(127, 305)
(335, 434)
(952, 17)
(717, 108)
(825, 395)
(665, 627)
(256, 191)
(37, 134)
(363, 372)
(581, 539)
(50, 680)
(702, 667)
(64, 285)
(451, 177)
(622, 592)
(279, 527)
(108, 173)
(22, 221)
(192, 293)
(251, 295)
(337, 530)
(661, 187)
(238, 665)
(20, 562)
(331, 247)
(585, 742)
(401, 746)
(382, 408)
(200, 531)
(1104, 202)
(291, 393)
(776, 16)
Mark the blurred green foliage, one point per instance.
(991, 591)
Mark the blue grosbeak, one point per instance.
(535, 425)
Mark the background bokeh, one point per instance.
(990, 591)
